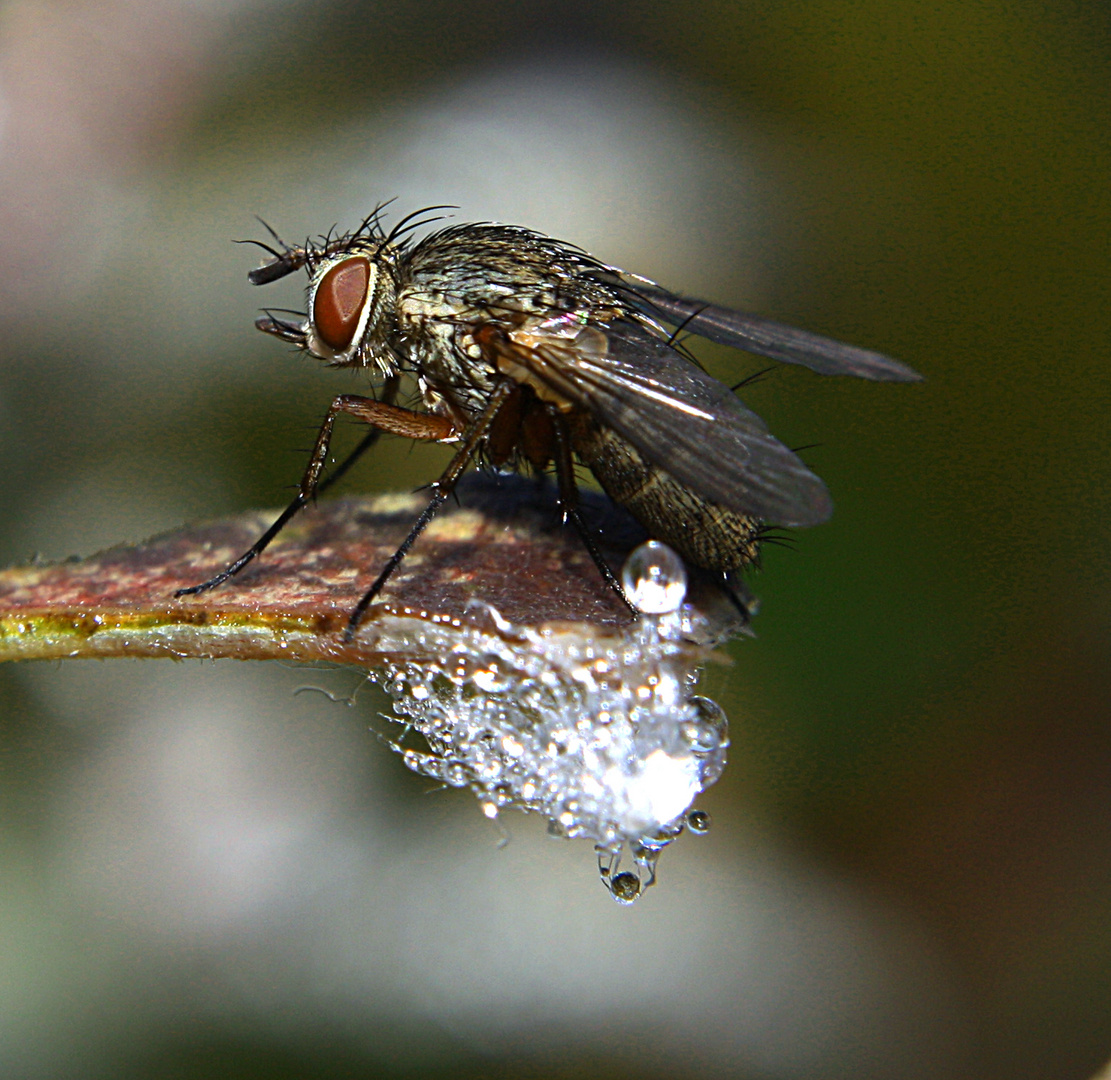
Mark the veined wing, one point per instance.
(766, 337)
(677, 417)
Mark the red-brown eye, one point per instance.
(339, 300)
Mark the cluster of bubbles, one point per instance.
(602, 734)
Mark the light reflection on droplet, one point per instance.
(654, 579)
(625, 887)
(698, 821)
(604, 737)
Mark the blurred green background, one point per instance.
(205, 875)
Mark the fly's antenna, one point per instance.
(276, 255)
(277, 239)
(282, 262)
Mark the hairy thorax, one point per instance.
(437, 338)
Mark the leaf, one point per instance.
(502, 545)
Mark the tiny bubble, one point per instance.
(698, 821)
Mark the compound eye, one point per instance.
(338, 302)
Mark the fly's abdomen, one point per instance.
(703, 532)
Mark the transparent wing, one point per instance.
(677, 417)
(772, 339)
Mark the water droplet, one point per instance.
(512, 746)
(698, 821)
(710, 730)
(490, 681)
(654, 579)
(604, 738)
(625, 887)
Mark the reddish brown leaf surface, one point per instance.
(502, 545)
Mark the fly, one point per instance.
(529, 353)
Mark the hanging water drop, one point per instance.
(698, 821)
(625, 887)
(602, 736)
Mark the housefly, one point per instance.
(526, 352)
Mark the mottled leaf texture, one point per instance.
(502, 546)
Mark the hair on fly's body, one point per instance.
(527, 352)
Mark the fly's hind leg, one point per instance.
(740, 596)
(383, 416)
(569, 504)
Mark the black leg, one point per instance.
(444, 487)
(740, 596)
(310, 487)
(256, 549)
(569, 503)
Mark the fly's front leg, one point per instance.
(569, 504)
(383, 416)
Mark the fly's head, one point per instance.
(352, 304)
(351, 299)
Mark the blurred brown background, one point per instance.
(205, 875)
